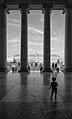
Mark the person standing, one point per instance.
(53, 87)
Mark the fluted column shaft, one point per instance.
(3, 41)
(68, 39)
(24, 40)
(47, 39)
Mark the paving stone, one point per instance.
(27, 96)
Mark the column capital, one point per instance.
(7, 10)
(64, 10)
(47, 7)
(24, 8)
(67, 7)
(4, 7)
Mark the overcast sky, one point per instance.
(35, 32)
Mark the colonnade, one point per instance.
(24, 39)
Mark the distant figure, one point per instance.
(41, 68)
(18, 63)
(53, 66)
(31, 64)
(14, 61)
(57, 69)
(28, 68)
(36, 64)
(13, 68)
(53, 87)
(58, 61)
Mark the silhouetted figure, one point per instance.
(13, 68)
(53, 87)
(18, 63)
(35, 64)
(31, 64)
(41, 68)
(58, 61)
(57, 69)
(14, 61)
(55, 65)
(28, 68)
(52, 65)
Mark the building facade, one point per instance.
(37, 58)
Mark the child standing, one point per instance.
(53, 86)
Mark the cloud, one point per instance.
(41, 20)
(34, 30)
(34, 38)
(52, 49)
(57, 26)
(35, 43)
(53, 32)
(54, 39)
(13, 47)
(30, 50)
(38, 31)
(12, 41)
(58, 36)
(13, 24)
(14, 20)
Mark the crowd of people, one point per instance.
(55, 66)
(14, 66)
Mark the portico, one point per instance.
(46, 7)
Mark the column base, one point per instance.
(47, 70)
(23, 70)
(3, 70)
(68, 69)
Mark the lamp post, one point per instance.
(36, 57)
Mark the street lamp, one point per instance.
(36, 57)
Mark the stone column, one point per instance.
(3, 45)
(24, 40)
(47, 39)
(68, 39)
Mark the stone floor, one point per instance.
(27, 96)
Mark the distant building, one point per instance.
(33, 58)
(55, 58)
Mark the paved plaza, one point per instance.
(27, 96)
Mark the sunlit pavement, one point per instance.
(27, 96)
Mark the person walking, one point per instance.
(53, 87)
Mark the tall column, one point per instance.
(68, 39)
(24, 43)
(3, 48)
(47, 39)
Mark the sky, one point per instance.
(36, 32)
